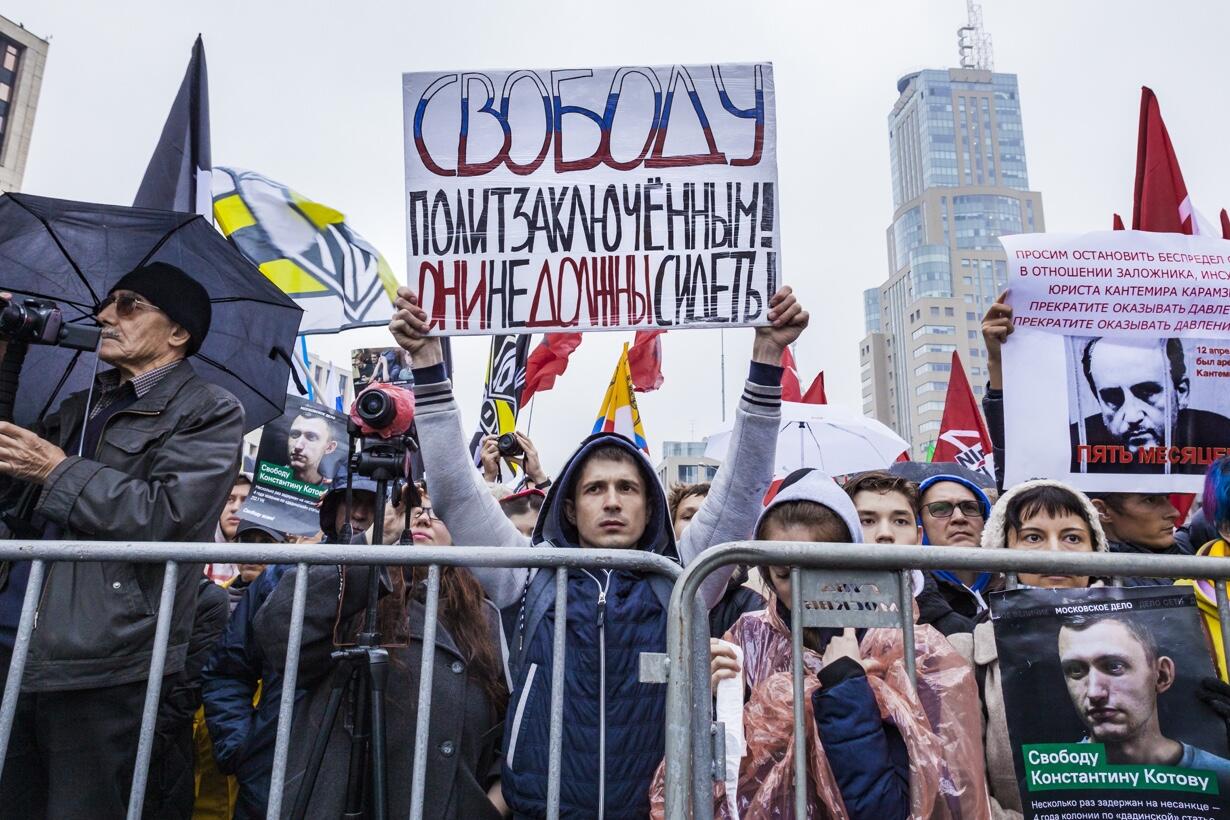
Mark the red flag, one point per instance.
(1118, 223)
(791, 389)
(645, 360)
(963, 434)
(1160, 202)
(815, 393)
(1225, 224)
(548, 360)
(1183, 503)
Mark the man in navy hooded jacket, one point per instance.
(607, 496)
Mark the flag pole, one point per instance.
(722, 336)
(529, 423)
(307, 368)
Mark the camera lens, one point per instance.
(508, 445)
(12, 319)
(376, 409)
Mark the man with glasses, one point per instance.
(159, 450)
(953, 511)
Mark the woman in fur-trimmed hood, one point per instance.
(1035, 515)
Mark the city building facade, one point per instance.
(22, 58)
(684, 462)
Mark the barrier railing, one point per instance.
(302, 556)
(836, 585)
(832, 585)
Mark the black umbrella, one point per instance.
(72, 253)
(919, 471)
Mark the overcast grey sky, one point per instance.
(309, 93)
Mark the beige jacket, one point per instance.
(979, 649)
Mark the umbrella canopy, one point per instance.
(73, 253)
(827, 437)
(919, 471)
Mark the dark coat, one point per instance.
(1193, 428)
(866, 754)
(737, 600)
(464, 738)
(935, 609)
(960, 601)
(161, 472)
(243, 734)
(1177, 548)
(172, 776)
(603, 696)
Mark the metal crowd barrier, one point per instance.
(837, 585)
(832, 585)
(174, 554)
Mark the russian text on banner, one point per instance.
(592, 198)
(1138, 324)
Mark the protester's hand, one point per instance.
(409, 328)
(489, 458)
(996, 328)
(26, 456)
(787, 320)
(723, 665)
(530, 461)
(844, 645)
(1215, 694)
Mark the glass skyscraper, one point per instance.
(957, 153)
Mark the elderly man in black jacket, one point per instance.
(159, 448)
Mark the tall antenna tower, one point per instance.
(973, 42)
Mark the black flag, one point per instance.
(177, 178)
(502, 392)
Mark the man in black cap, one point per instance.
(148, 454)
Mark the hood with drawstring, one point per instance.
(995, 533)
(979, 496)
(554, 528)
(809, 484)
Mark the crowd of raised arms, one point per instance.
(162, 463)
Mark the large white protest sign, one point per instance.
(1138, 324)
(592, 198)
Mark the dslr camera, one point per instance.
(41, 322)
(383, 414)
(509, 446)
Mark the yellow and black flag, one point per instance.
(502, 392)
(306, 249)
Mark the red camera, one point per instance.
(383, 410)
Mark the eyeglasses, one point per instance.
(125, 304)
(423, 512)
(943, 509)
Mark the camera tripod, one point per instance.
(361, 671)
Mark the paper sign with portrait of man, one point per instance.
(1099, 688)
(299, 454)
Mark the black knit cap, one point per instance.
(176, 294)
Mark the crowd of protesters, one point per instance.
(161, 463)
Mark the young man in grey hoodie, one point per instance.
(606, 496)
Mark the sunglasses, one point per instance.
(126, 304)
(943, 509)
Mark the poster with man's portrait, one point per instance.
(1140, 405)
(300, 453)
(389, 365)
(1116, 377)
(1100, 694)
